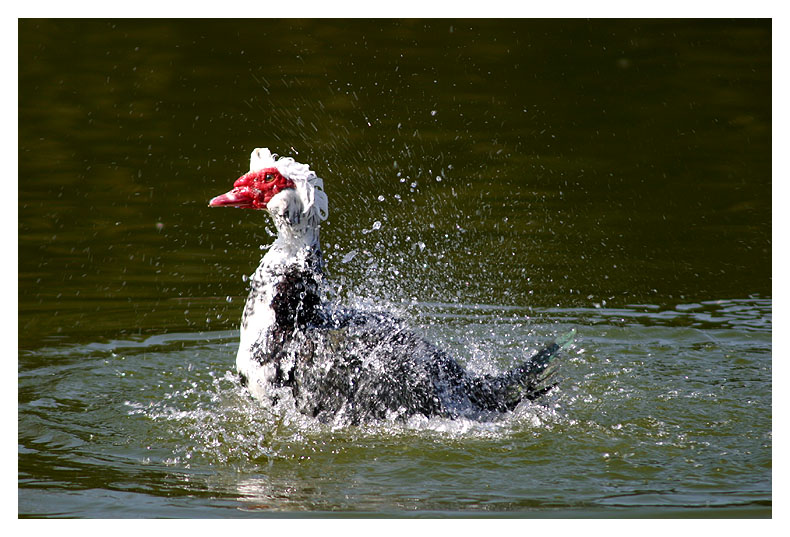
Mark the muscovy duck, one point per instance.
(338, 363)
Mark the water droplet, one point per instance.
(349, 256)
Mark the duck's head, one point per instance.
(288, 190)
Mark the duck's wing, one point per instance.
(372, 365)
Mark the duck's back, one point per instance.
(371, 366)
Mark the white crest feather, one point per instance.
(309, 186)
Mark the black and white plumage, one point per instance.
(339, 363)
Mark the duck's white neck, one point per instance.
(285, 254)
(297, 244)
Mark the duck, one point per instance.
(337, 363)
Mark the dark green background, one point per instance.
(580, 161)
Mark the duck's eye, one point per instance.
(269, 177)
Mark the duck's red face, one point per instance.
(253, 190)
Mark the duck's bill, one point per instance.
(241, 198)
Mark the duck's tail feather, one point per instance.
(534, 378)
(530, 380)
